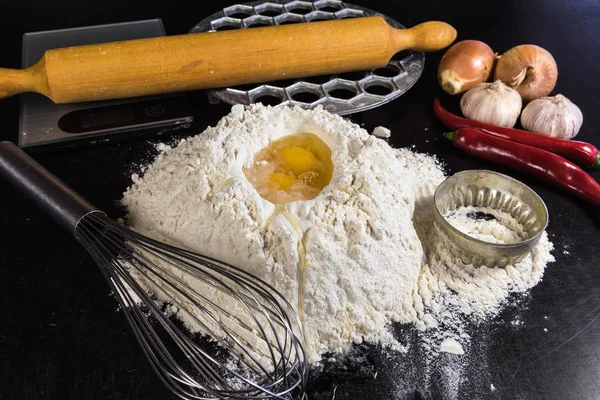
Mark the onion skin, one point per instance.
(529, 69)
(465, 65)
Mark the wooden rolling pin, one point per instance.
(219, 59)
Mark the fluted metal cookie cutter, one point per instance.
(481, 188)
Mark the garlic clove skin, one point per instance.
(552, 116)
(492, 103)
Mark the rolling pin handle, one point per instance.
(13, 81)
(16, 81)
(428, 36)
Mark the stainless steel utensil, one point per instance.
(259, 351)
(482, 188)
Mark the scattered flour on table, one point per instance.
(450, 345)
(371, 254)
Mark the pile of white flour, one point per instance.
(371, 258)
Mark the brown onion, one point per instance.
(464, 65)
(529, 69)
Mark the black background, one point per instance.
(61, 336)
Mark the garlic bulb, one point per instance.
(553, 116)
(493, 103)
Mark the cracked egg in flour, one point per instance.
(293, 168)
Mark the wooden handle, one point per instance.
(428, 36)
(217, 59)
(15, 81)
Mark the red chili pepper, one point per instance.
(537, 162)
(581, 153)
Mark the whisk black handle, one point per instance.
(44, 189)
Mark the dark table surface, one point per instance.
(61, 335)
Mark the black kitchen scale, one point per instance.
(45, 124)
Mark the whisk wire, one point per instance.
(237, 340)
(152, 346)
(205, 310)
(127, 257)
(191, 294)
(194, 272)
(150, 340)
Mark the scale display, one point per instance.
(136, 115)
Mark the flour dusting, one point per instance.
(452, 346)
(372, 257)
(499, 227)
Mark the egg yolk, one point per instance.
(298, 159)
(281, 181)
(292, 168)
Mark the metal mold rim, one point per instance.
(409, 67)
(483, 188)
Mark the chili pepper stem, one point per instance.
(451, 135)
(597, 163)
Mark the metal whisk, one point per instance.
(249, 343)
